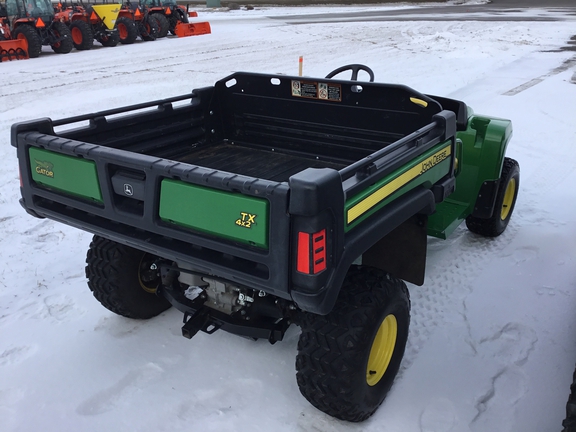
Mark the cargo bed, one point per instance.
(224, 177)
(254, 162)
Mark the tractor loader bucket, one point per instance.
(192, 29)
(16, 49)
(108, 13)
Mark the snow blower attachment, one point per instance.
(16, 49)
(192, 29)
(32, 23)
(13, 50)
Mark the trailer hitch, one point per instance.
(199, 317)
(199, 320)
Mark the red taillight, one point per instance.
(311, 258)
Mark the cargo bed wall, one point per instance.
(266, 127)
(329, 121)
(169, 128)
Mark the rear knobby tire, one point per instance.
(82, 36)
(121, 279)
(30, 35)
(335, 364)
(127, 30)
(504, 204)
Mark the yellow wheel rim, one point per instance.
(508, 199)
(146, 275)
(382, 350)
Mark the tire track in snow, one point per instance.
(83, 73)
(122, 392)
(452, 266)
(562, 68)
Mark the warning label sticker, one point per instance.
(316, 90)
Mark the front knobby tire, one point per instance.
(121, 279)
(110, 39)
(347, 360)
(504, 204)
(82, 36)
(149, 29)
(127, 30)
(163, 24)
(65, 44)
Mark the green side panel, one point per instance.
(484, 145)
(448, 216)
(426, 170)
(67, 174)
(224, 214)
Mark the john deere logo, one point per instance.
(246, 220)
(44, 168)
(128, 189)
(434, 160)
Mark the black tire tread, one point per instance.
(65, 45)
(87, 35)
(32, 37)
(493, 226)
(149, 29)
(131, 29)
(329, 348)
(114, 285)
(163, 24)
(110, 40)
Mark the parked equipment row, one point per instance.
(26, 25)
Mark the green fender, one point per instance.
(484, 144)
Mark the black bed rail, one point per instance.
(366, 171)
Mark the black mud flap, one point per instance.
(403, 251)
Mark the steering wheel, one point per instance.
(355, 68)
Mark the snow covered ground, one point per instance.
(492, 343)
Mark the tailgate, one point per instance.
(216, 221)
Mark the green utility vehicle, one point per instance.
(270, 200)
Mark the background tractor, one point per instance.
(10, 49)
(32, 22)
(90, 22)
(133, 21)
(168, 13)
(173, 18)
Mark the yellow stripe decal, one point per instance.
(389, 188)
